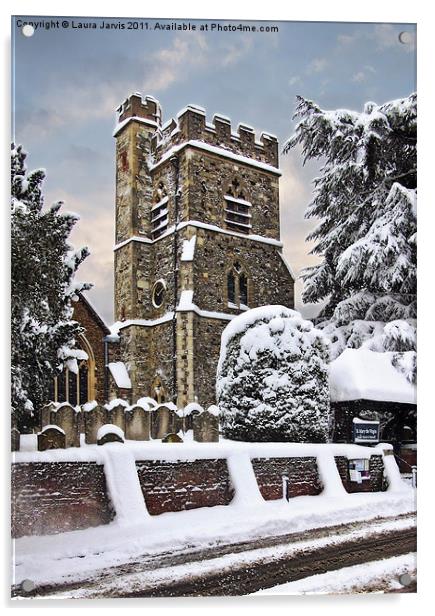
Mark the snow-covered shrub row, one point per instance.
(272, 380)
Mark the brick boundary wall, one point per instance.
(376, 483)
(176, 486)
(54, 497)
(302, 473)
(406, 460)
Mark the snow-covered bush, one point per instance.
(272, 378)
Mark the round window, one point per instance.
(158, 295)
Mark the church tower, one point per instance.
(197, 242)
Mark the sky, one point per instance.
(67, 83)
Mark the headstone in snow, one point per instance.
(94, 419)
(206, 428)
(164, 420)
(46, 414)
(110, 433)
(137, 424)
(190, 411)
(116, 416)
(51, 437)
(15, 439)
(67, 419)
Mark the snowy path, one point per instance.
(377, 576)
(239, 568)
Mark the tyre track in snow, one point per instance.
(208, 584)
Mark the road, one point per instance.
(245, 567)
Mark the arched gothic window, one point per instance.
(237, 208)
(159, 212)
(237, 287)
(76, 388)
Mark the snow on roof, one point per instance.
(361, 374)
(188, 249)
(109, 429)
(119, 372)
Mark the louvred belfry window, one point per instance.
(237, 209)
(159, 212)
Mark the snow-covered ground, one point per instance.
(134, 533)
(381, 575)
(75, 555)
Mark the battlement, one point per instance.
(135, 106)
(191, 124)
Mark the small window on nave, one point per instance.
(237, 208)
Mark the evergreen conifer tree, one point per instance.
(365, 198)
(42, 289)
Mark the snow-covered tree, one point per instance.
(43, 287)
(365, 198)
(272, 378)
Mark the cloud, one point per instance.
(362, 75)
(295, 195)
(96, 230)
(294, 80)
(317, 65)
(384, 36)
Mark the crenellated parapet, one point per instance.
(191, 125)
(137, 107)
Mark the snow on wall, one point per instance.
(361, 374)
(124, 486)
(188, 249)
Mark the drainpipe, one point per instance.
(175, 164)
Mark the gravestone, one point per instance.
(172, 438)
(94, 419)
(66, 418)
(116, 416)
(109, 433)
(164, 420)
(206, 428)
(51, 437)
(47, 416)
(190, 411)
(15, 439)
(137, 424)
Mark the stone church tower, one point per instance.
(197, 242)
